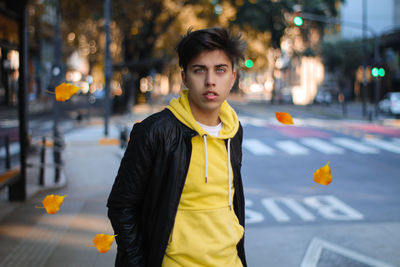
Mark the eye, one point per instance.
(199, 70)
(221, 70)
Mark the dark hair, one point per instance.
(218, 38)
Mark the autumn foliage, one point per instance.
(52, 203)
(103, 242)
(323, 175)
(64, 91)
(284, 118)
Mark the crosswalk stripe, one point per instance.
(389, 146)
(253, 122)
(329, 146)
(396, 140)
(257, 147)
(354, 145)
(292, 148)
(322, 146)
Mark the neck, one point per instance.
(207, 118)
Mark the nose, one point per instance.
(210, 79)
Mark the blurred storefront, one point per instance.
(9, 55)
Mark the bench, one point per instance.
(9, 177)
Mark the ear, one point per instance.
(233, 78)
(183, 75)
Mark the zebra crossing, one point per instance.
(331, 146)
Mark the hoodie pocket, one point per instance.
(208, 237)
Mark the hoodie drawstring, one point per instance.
(206, 156)
(229, 174)
(229, 168)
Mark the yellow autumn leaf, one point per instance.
(323, 175)
(103, 242)
(284, 117)
(52, 203)
(64, 91)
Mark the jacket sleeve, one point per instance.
(126, 198)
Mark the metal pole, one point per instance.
(8, 156)
(107, 64)
(377, 80)
(364, 51)
(57, 73)
(42, 161)
(17, 191)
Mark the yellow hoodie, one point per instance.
(206, 229)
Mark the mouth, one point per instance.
(210, 93)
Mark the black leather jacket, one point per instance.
(144, 198)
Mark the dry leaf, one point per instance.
(103, 242)
(323, 175)
(284, 117)
(65, 90)
(52, 203)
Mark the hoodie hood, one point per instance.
(181, 109)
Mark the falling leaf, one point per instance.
(103, 242)
(284, 117)
(52, 203)
(323, 175)
(65, 90)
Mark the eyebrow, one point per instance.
(204, 66)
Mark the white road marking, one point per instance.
(308, 209)
(314, 251)
(389, 146)
(270, 205)
(322, 146)
(332, 208)
(251, 215)
(257, 147)
(292, 147)
(354, 145)
(253, 121)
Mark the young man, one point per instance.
(178, 197)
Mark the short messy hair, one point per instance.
(210, 39)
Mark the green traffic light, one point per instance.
(375, 72)
(249, 63)
(381, 72)
(298, 21)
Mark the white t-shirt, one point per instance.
(212, 130)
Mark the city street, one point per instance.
(354, 221)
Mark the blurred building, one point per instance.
(383, 20)
(41, 24)
(9, 52)
(41, 29)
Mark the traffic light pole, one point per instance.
(107, 64)
(364, 51)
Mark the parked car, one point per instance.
(390, 103)
(283, 96)
(323, 97)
